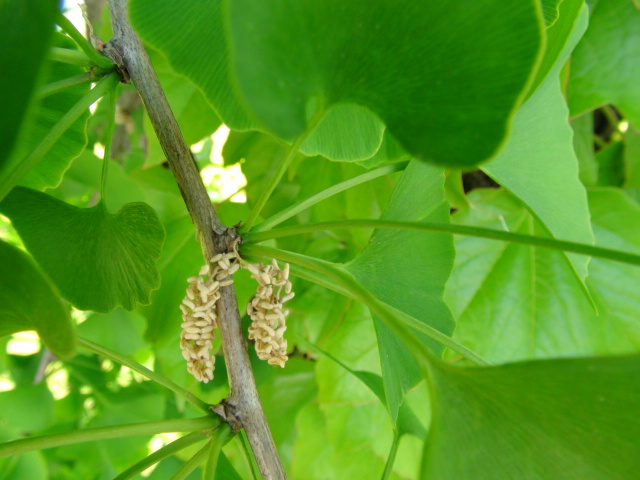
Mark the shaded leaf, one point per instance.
(98, 260)
(27, 409)
(539, 166)
(405, 61)
(544, 420)
(408, 270)
(29, 301)
(26, 29)
(605, 68)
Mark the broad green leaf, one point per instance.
(539, 166)
(545, 420)
(444, 77)
(47, 112)
(611, 167)
(29, 301)
(408, 270)
(514, 302)
(118, 330)
(194, 115)
(25, 35)
(605, 68)
(616, 224)
(98, 260)
(390, 151)
(27, 409)
(28, 466)
(550, 11)
(632, 157)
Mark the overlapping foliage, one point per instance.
(388, 325)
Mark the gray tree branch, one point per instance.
(242, 408)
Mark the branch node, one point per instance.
(227, 412)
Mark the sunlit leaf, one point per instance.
(408, 270)
(545, 420)
(98, 260)
(29, 301)
(605, 68)
(405, 61)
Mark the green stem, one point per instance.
(56, 132)
(282, 168)
(108, 140)
(329, 192)
(69, 56)
(56, 87)
(161, 454)
(104, 433)
(394, 318)
(392, 456)
(245, 448)
(219, 440)
(550, 243)
(69, 28)
(142, 370)
(193, 463)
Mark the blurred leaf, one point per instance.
(98, 260)
(404, 61)
(118, 330)
(550, 11)
(28, 409)
(47, 112)
(390, 151)
(584, 149)
(605, 68)
(29, 301)
(28, 466)
(25, 34)
(544, 420)
(632, 157)
(225, 470)
(194, 115)
(611, 165)
(539, 166)
(408, 270)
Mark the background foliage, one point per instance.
(538, 103)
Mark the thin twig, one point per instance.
(242, 407)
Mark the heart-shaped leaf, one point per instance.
(29, 301)
(544, 420)
(98, 260)
(443, 76)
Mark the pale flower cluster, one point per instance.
(199, 316)
(268, 319)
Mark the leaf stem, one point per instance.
(394, 318)
(69, 56)
(162, 453)
(324, 194)
(479, 232)
(282, 168)
(219, 440)
(193, 463)
(142, 370)
(103, 433)
(108, 140)
(392, 456)
(245, 448)
(31, 160)
(56, 87)
(69, 28)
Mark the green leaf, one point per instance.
(605, 68)
(539, 166)
(118, 330)
(47, 112)
(632, 157)
(583, 146)
(25, 29)
(408, 270)
(444, 77)
(348, 133)
(194, 115)
(550, 11)
(513, 302)
(545, 420)
(27, 409)
(98, 260)
(29, 300)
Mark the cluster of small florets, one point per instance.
(199, 316)
(268, 319)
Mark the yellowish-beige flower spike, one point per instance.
(199, 318)
(268, 318)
